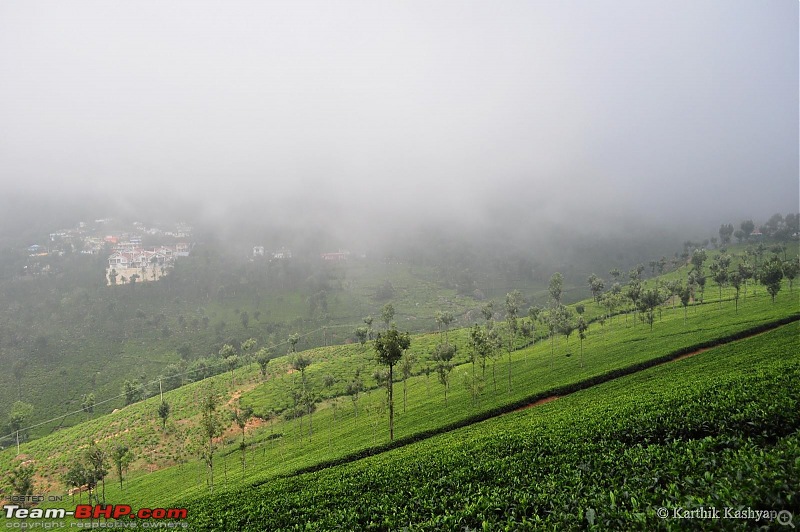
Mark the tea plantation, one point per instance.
(719, 429)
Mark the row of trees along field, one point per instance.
(759, 264)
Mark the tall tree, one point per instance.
(596, 286)
(686, 296)
(634, 293)
(582, 328)
(309, 401)
(488, 312)
(533, 314)
(554, 289)
(747, 228)
(232, 362)
(566, 326)
(443, 357)
(98, 464)
(725, 232)
(771, 275)
(387, 314)
(701, 284)
(481, 347)
(241, 416)
(354, 388)
(699, 256)
(719, 272)
(651, 298)
(300, 363)
(76, 477)
(514, 301)
(20, 413)
(791, 268)
(263, 356)
(293, 339)
(368, 322)
(389, 348)
(132, 391)
(122, 458)
(327, 382)
(446, 318)
(163, 413)
(736, 282)
(21, 481)
(361, 335)
(87, 403)
(407, 367)
(247, 348)
(212, 427)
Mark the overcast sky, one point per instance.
(552, 110)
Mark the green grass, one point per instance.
(534, 369)
(719, 429)
(78, 337)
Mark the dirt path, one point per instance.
(537, 403)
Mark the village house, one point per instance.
(338, 256)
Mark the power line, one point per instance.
(189, 372)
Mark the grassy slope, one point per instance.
(94, 339)
(719, 429)
(606, 348)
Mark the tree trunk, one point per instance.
(211, 464)
(390, 385)
(509, 372)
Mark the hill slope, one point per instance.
(283, 447)
(716, 430)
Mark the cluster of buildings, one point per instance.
(283, 253)
(124, 241)
(128, 255)
(129, 259)
(96, 237)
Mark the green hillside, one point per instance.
(717, 430)
(167, 468)
(66, 335)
